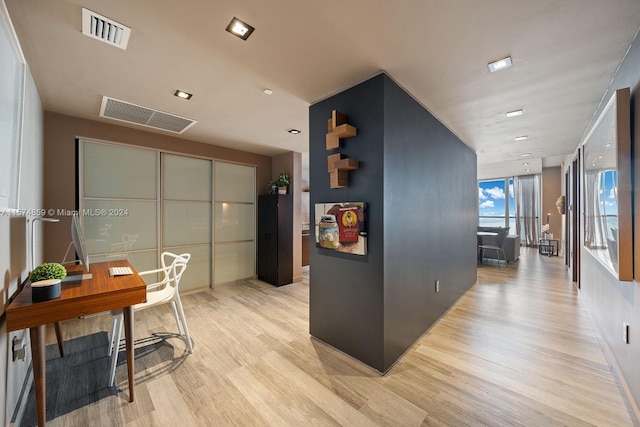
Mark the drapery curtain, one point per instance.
(527, 208)
(594, 232)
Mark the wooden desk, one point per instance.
(95, 295)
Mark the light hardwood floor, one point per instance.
(516, 350)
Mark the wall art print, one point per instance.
(341, 227)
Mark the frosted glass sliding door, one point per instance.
(119, 203)
(139, 202)
(234, 216)
(186, 215)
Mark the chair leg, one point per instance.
(175, 314)
(112, 334)
(117, 329)
(178, 304)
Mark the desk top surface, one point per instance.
(100, 293)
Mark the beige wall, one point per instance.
(551, 190)
(60, 134)
(291, 163)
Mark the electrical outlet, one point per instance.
(625, 332)
(437, 286)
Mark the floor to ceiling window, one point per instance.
(496, 205)
(498, 200)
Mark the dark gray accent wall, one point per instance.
(419, 181)
(346, 291)
(430, 218)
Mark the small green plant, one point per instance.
(48, 270)
(282, 180)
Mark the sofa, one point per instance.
(510, 244)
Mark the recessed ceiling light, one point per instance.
(500, 64)
(293, 131)
(521, 138)
(239, 28)
(514, 113)
(182, 94)
(268, 92)
(527, 170)
(525, 164)
(525, 154)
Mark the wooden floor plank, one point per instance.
(516, 350)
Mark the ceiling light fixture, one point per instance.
(239, 28)
(500, 64)
(527, 170)
(293, 131)
(268, 92)
(525, 154)
(514, 113)
(182, 94)
(525, 164)
(521, 138)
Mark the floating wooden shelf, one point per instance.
(337, 164)
(332, 159)
(339, 178)
(346, 164)
(337, 119)
(337, 128)
(332, 142)
(344, 131)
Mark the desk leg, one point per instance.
(128, 339)
(39, 370)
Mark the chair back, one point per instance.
(174, 266)
(500, 237)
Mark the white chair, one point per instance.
(164, 291)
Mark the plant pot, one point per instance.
(45, 290)
(282, 190)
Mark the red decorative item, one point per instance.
(348, 225)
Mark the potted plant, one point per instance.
(45, 281)
(282, 181)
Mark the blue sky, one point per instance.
(492, 198)
(608, 193)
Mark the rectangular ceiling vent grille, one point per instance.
(104, 29)
(131, 113)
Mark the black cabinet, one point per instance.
(275, 239)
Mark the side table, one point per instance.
(548, 247)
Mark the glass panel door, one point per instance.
(186, 216)
(235, 219)
(119, 206)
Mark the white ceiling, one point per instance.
(564, 55)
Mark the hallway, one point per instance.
(517, 349)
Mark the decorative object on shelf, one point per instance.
(45, 281)
(341, 227)
(546, 229)
(282, 182)
(338, 164)
(560, 204)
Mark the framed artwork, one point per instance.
(608, 233)
(341, 227)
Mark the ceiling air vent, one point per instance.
(104, 29)
(131, 113)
